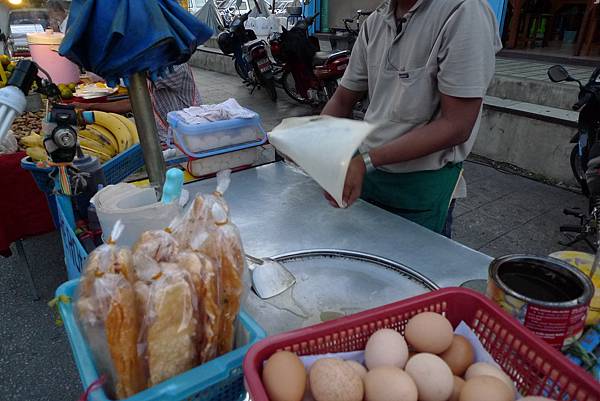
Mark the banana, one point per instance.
(130, 125)
(97, 146)
(103, 157)
(104, 133)
(105, 139)
(32, 140)
(37, 153)
(116, 127)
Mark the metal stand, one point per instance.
(148, 133)
(25, 263)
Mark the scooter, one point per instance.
(250, 55)
(585, 156)
(309, 76)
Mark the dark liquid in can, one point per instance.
(540, 282)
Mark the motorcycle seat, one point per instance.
(321, 57)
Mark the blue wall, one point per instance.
(499, 7)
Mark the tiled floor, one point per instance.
(537, 70)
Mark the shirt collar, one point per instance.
(388, 9)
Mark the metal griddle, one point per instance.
(333, 283)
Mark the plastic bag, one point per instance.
(9, 144)
(206, 229)
(108, 313)
(170, 328)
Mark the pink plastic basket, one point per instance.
(535, 367)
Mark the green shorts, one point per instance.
(422, 196)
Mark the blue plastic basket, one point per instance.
(75, 254)
(218, 380)
(239, 133)
(115, 170)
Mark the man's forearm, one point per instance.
(433, 137)
(452, 128)
(341, 103)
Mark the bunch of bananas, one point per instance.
(106, 135)
(34, 146)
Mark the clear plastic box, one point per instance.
(217, 137)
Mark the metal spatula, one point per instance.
(269, 277)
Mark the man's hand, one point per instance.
(352, 185)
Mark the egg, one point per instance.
(459, 356)
(429, 332)
(433, 377)
(388, 383)
(485, 369)
(284, 377)
(335, 380)
(358, 368)
(458, 386)
(485, 388)
(386, 347)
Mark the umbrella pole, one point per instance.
(147, 131)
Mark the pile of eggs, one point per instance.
(428, 363)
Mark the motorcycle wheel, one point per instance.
(269, 85)
(578, 170)
(289, 86)
(240, 71)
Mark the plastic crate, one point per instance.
(75, 254)
(535, 367)
(115, 170)
(218, 380)
(217, 137)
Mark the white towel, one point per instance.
(227, 110)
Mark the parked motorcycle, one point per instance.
(309, 76)
(249, 54)
(585, 156)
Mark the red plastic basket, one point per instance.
(535, 367)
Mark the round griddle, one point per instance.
(334, 283)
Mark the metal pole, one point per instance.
(148, 133)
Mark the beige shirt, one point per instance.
(444, 46)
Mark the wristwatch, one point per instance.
(368, 163)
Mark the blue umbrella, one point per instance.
(132, 39)
(117, 38)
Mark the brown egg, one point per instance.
(389, 383)
(284, 377)
(386, 347)
(358, 368)
(432, 376)
(485, 388)
(485, 369)
(459, 356)
(429, 332)
(335, 380)
(458, 386)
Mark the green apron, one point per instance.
(422, 197)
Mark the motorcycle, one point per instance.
(250, 55)
(585, 156)
(308, 75)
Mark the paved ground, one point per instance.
(503, 214)
(537, 70)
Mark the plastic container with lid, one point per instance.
(44, 51)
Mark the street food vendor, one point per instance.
(426, 66)
(175, 91)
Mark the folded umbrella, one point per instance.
(117, 38)
(133, 39)
(210, 15)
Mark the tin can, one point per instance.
(548, 296)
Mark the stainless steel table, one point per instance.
(279, 210)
